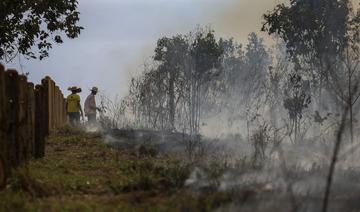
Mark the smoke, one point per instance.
(238, 18)
(93, 129)
(198, 180)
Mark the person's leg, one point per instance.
(77, 118)
(71, 119)
(92, 119)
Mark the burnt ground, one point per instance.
(127, 170)
(81, 173)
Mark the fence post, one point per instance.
(23, 136)
(64, 111)
(3, 127)
(57, 102)
(45, 107)
(51, 104)
(31, 119)
(40, 121)
(12, 100)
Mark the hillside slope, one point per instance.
(81, 173)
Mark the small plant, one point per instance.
(145, 150)
(297, 99)
(194, 148)
(260, 140)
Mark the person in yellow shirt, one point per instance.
(73, 106)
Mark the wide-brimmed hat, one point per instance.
(94, 89)
(74, 88)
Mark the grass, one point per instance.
(81, 173)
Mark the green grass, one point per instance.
(80, 173)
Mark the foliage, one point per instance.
(260, 140)
(25, 24)
(171, 51)
(318, 35)
(297, 97)
(206, 54)
(257, 61)
(311, 28)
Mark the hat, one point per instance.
(74, 88)
(94, 89)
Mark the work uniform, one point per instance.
(90, 108)
(73, 110)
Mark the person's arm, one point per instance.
(81, 111)
(96, 108)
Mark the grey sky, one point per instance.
(120, 35)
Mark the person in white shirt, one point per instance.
(90, 106)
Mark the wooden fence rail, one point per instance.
(27, 114)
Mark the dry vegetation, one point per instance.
(85, 172)
(80, 173)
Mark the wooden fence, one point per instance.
(27, 114)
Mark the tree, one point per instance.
(316, 32)
(277, 75)
(345, 81)
(233, 69)
(233, 64)
(257, 62)
(296, 100)
(206, 56)
(172, 52)
(311, 28)
(25, 24)
(319, 33)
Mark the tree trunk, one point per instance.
(350, 104)
(172, 100)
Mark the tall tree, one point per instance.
(315, 33)
(320, 33)
(172, 52)
(25, 24)
(345, 82)
(257, 62)
(206, 56)
(311, 29)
